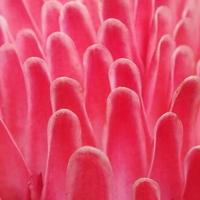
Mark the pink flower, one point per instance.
(99, 100)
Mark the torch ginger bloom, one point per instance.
(99, 100)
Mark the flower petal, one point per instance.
(186, 103)
(39, 111)
(183, 64)
(5, 35)
(97, 60)
(89, 176)
(16, 15)
(166, 167)
(50, 13)
(14, 174)
(118, 9)
(185, 32)
(162, 24)
(63, 57)
(67, 93)
(158, 82)
(13, 107)
(64, 137)
(35, 185)
(94, 7)
(126, 142)
(76, 22)
(143, 15)
(192, 167)
(146, 189)
(28, 45)
(33, 8)
(123, 72)
(116, 37)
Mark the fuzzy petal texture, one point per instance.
(116, 37)
(125, 140)
(89, 169)
(64, 137)
(63, 57)
(167, 156)
(67, 93)
(97, 61)
(146, 189)
(14, 107)
(185, 103)
(39, 111)
(50, 13)
(76, 22)
(14, 174)
(28, 45)
(192, 166)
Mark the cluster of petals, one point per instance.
(99, 100)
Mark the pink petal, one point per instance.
(166, 163)
(146, 189)
(126, 142)
(198, 68)
(50, 13)
(28, 45)
(97, 60)
(186, 103)
(158, 98)
(67, 93)
(191, 10)
(14, 174)
(5, 35)
(162, 24)
(76, 22)
(13, 106)
(64, 137)
(183, 64)
(143, 15)
(118, 9)
(176, 6)
(185, 32)
(94, 7)
(63, 57)
(192, 167)
(124, 72)
(89, 176)
(116, 37)
(17, 16)
(39, 111)
(33, 8)
(35, 187)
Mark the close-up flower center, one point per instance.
(99, 100)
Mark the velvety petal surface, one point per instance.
(67, 93)
(14, 174)
(28, 45)
(39, 111)
(185, 103)
(13, 107)
(90, 171)
(97, 61)
(166, 166)
(63, 57)
(146, 189)
(64, 137)
(126, 140)
(76, 22)
(192, 166)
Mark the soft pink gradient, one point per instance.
(99, 99)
